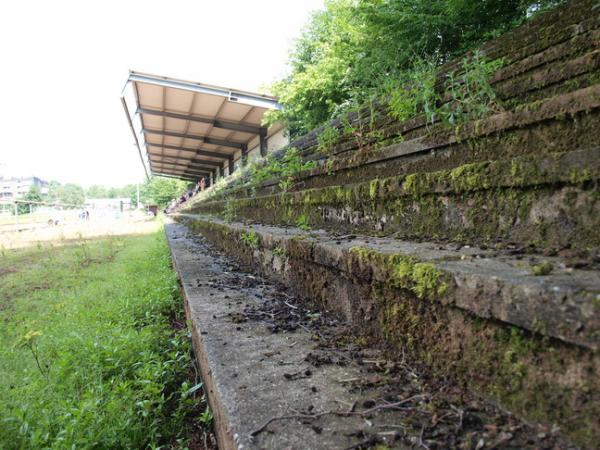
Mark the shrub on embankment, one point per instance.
(89, 357)
(352, 49)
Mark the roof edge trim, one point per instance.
(233, 96)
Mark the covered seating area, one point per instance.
(192, 130)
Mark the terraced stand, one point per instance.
(472, 250)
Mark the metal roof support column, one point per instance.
(262, 135)
(244, 155)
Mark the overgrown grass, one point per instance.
(89, 357)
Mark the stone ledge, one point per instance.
(246, 372)
(564, 304)
(457, 311)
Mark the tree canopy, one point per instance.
(34, 194)
(160, 190)
(349, 50)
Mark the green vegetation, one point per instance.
(544, 268)
(285, 169)
(33, 195)
(425, 280)
(302, 222)
(467, 94)
(90, 353)
(350, 49)
(69, 194)
(470, 94)
(328, 138)
(250, 238)
(160, 190)
(412, 90)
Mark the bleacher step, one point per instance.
(295, 384)
(482, 316)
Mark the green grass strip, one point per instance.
(88, 354)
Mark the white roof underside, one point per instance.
(189, 129)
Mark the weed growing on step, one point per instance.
(364, 128)
(302, 223)
(471, 95)
(417, 91)
(230, 212)
(250, 238)
(328, 138)
(284, 169)
(468, 94)
(279, 251)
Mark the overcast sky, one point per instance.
(64, 64)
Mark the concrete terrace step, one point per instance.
(490, 284)
(550, 202)
(279, 375)
(480, 316)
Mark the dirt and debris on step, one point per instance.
(368, 401)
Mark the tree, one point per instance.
(351, 49)
(71, 194)
(96, 191)
(34, 194)
(53, 191)
(160, 190)
(130, 191)
(113, 192)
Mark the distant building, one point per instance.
(14, 188)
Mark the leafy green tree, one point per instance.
(53, 191)
(96, 191)
(160, 190)
(113, 192)
(71, 194)
(130, 191)
(34, 194)
(348, 51)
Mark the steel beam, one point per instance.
(182, 166)
(204, 170)
(205, 139)
(169, 175)
(166, 163)
(192, 160)
(193, 150)
(203, 173)
(217, 123)
(233, 96)
(180, 174)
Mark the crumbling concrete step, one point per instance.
(482, 316)
(279, 375)
(562, 304)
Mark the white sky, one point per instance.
(63, 65)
